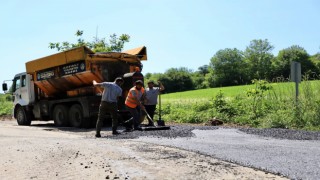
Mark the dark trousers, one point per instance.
(107, 107)
(136, 114)
(150, 110)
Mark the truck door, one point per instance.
(23, 89)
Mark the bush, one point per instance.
(279, 119)
(5, 104)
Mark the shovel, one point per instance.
(160, 122)
(160, 126)
(149, 118)
(152, 128)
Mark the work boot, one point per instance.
(150, 123)
(114, 131)
(128, 129)
(98, 135)
(137, 128)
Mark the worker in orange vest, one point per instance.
(134, 103)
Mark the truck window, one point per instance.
(23, 81)
(16, 84)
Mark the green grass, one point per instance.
(282, 88)
(203, 94)
(275, 106)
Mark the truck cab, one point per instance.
(22, 95)
(23, 89)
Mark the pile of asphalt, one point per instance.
(174, 132)
(186, 131)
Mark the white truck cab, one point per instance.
(23, 96)
(22, 89)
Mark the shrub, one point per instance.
(5, 105)
(262, 105)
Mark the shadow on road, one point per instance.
(49, 126)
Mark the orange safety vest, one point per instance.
(130, 100)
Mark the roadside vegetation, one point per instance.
(5, 104)
(262, 105)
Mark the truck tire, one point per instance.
(22, 117)
(76, 116)
(60, 115)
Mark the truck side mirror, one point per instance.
(4, 87)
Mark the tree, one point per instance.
(198, 80)
(258, 57)
(203, 70)
(153, 76)
(315, 59)
(148, 76)
(282, 64)
(209, 78)
(228, 67)
(198, 77)
(97, 45)
(177, 79)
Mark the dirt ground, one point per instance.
(42, 152)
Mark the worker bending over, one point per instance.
(109, 99)
(134, 103)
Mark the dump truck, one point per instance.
(59, 87)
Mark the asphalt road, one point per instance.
(270, 151)
(290, 153)
(43, 151)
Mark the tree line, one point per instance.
(227, 67)
(230, 67)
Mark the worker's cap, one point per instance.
(139, 82)
(150, 82)
(118, 79)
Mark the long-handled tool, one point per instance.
(160, 122)
(151, 128)
(149, 118)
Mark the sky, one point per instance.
(177, 33)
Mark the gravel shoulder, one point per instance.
(41, 151)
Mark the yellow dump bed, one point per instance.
(62, 73)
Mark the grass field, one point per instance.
(229, 92)
(203, 94)
(283, 89)
(252, 105)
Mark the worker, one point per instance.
(134, 103)
(109, 99)
(151, 99)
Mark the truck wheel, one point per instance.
(22, 117)
(60, 115)
(75, 115)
